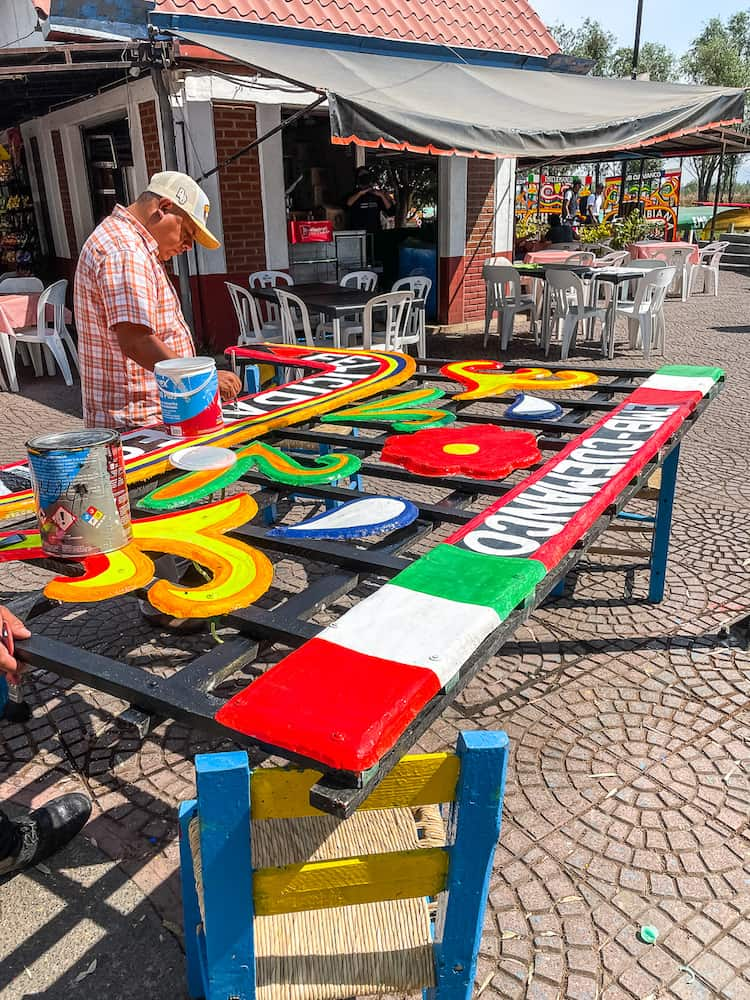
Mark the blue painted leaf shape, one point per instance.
(360, 518)
(525, 407)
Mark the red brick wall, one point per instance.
(62, 180)
(150, 133)
(480, 227)
(239, 185)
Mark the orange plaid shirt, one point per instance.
(120, 279)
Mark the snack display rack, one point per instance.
(20, 247)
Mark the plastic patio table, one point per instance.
(649, 249)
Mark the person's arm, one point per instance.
(18, 630)
(385, 198)
(140, 344)
(355, 196)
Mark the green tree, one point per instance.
(654, 59)
(413, 183)
(719, 57)
(588, 41)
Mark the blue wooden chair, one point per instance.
(282, 902)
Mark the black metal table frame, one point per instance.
(186, 696)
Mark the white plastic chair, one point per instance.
(583, 257)
(395, 334)
(420, 287)
(617, 258)
(645, 315)
(295, 318)
(503, 296)
(365, 281)
(270, 279)
(10, 284)
(569, 308)
(248, 316)
(708, 266)
(627, 288)
(679, 259)
(21, 286)
(54, 338)
(350, 326)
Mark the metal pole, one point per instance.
(716, 193)
(170, 163)
(637, 40)
(640, 182)
(623, 182)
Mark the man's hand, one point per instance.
(229, 385)
(18, 630)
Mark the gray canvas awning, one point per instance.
(426, 106)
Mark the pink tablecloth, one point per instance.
(548, 256)
(646, 251)
(19, 310)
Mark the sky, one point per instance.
(672, 22)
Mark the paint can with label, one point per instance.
(189, 396)
(80, 492)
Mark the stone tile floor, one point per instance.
(628, 792)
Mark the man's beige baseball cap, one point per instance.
(185, 193)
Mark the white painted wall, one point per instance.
(452, 177)
(196, 155)
(271, 158)
(250, 90)
(505, 173)
(69, 121)
(20, 27)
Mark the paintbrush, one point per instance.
(16, 710)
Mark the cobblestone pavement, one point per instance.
(628, 794)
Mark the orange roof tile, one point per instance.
(499, 25)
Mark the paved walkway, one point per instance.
(628, 794)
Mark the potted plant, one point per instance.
(528, 235)
(596, 238)
(629, 229)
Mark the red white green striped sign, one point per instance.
(345, 697)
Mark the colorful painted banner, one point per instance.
(658, 191)
(345, 698)
(659, 194)
(338, 377)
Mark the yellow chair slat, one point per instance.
(426, 779)
(348, 881)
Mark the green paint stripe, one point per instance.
(497, 582)
(692, 371)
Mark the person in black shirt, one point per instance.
(559, 232)
(366, 203)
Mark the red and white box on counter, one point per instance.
(310, 232)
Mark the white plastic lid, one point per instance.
(202, 457)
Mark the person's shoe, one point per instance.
(45, 830)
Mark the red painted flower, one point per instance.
(486, 452)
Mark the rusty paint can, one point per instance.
(80, 492)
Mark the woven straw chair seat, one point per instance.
(368, 949)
